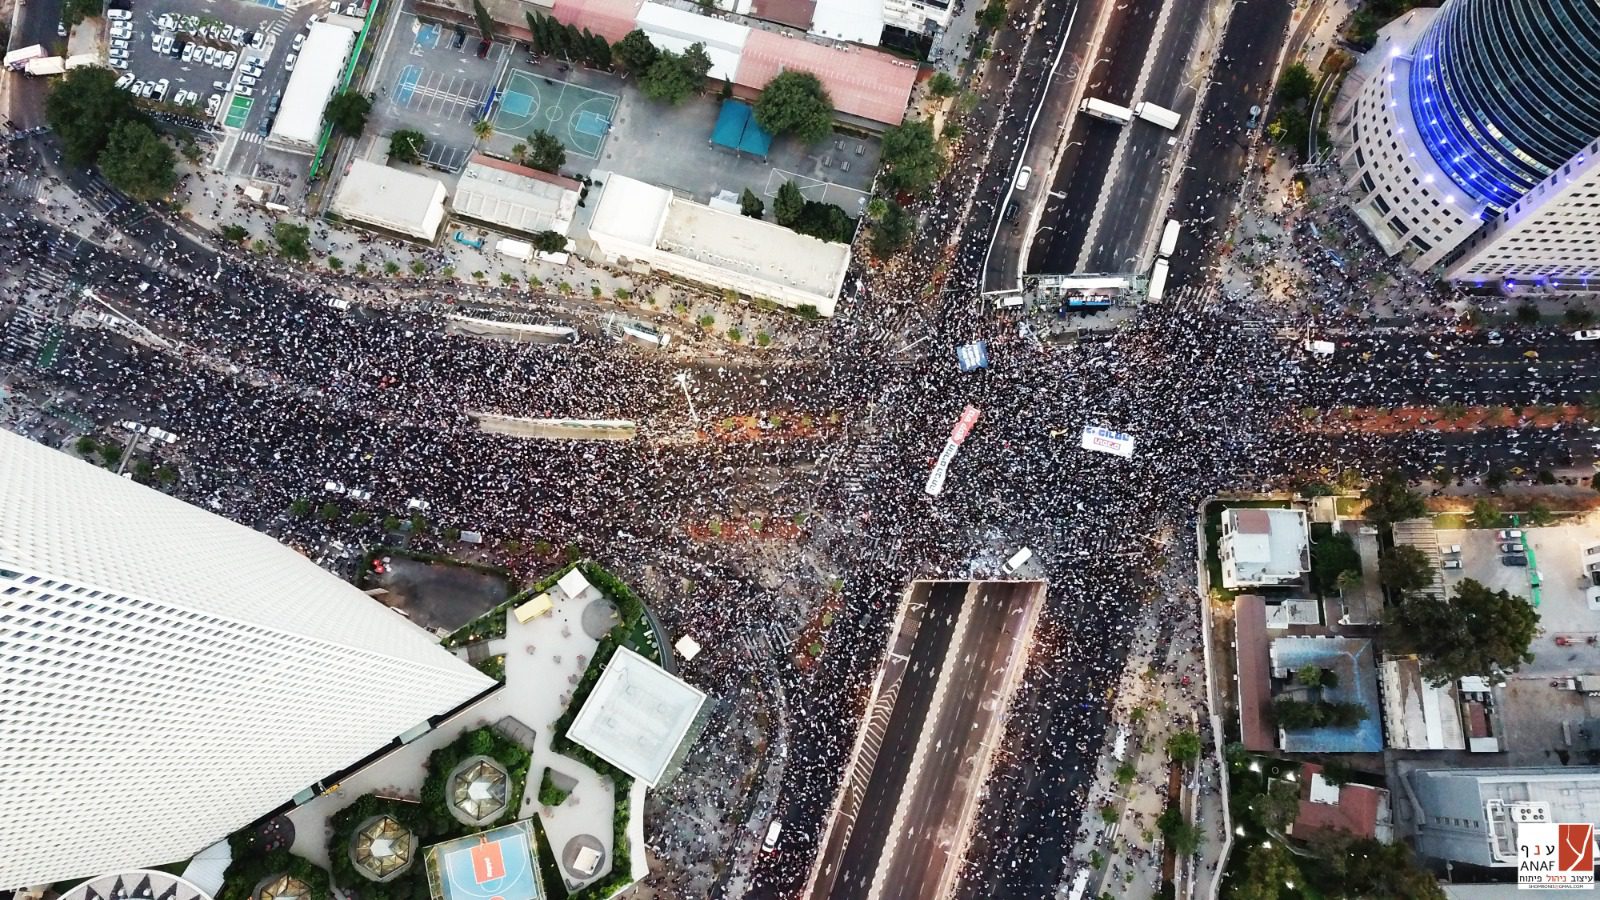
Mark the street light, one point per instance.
(683, 381)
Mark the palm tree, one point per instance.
(519, 153)
(482, 129)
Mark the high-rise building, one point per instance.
(1549, 239)
(1465, 110)
(167, 676)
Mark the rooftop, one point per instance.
(1352, 660)
(864, 83)
(515, 197)
(1263, 546)
(637, 716)
(759, 249)
(313, 81)
(139, 884)
(1418, 715)
(610, 19)
(675, 29)
(396, 200)
(1255, 674)
(1360, 809)
(857, 21)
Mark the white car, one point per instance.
(333, 487)
(247, 81)
(189, 51)
(119, 15)
(119, 64)
(298, 42)
(258, 40)
(338, 303)
(165, 22)
(1592, 334)
(359, 494)
(229, 58)
(244, 92)
(137, 88)
(119, 44)
(148, 89)
(161, 435)
(117, 53)
(161, 89)
(212, 56)
(418, 505)
(134, 427)
(237, 35)
(288, 64)
(124, 80)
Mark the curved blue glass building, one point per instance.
(1504, 91)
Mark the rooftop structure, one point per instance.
(856, 21)
(637, 716)
(498, 864)
(737, 129)
(1417, 714)
(186, 672)
(641, 223)
(1254, 663)
(1359, 809)
(393, 200)
(477, 789)
(794, 13)
(382, 848)
(515, 198)
(1471, 815)
(866, 85)
(610, 19)
(139, 884)
(284, 887)
(1352, 663)
(676, 29)
(320, 70)
(1262, 547)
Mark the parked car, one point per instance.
(1509, 534)
(148, 89)
(298, 42)
(229, 58)
(1589, 334)
(190, 51)
(247, 81)
(333, 487)
(137, 88)
(418, 505)
(1511, 547)
(212, 55)
(166, 22)
(124, 80)
(244, 91)
(1513, 560)
(119, 15)
(167, 41)
(1452, 564)
(119, 63)
(118, 53)
(134, 427)
(119, 44)
(288, 64)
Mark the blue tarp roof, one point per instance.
(736, 129)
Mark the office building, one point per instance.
(1463, 110)
(168, 676)
(1471, 815)
(1549, 239)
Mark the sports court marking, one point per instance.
(238, 111)
(492, 865)
(578, 116)
(846, 198)
(439, 95)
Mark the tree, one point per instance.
(1390, 500)
(893, 231)
(992, 15)
(1126, 773)
(1476, 632)
(136, 160)
(234, 233)
(485, 21)
(1348, 581)
(1296, 85)
(549, 242)
(481, 129)
(75, 11)
(1331, 556)
(1265, 872)
(1184, 746)
(1182, 836)
(674, 77)
(1309, 675)
(751, 205)
(789, 204)
(942, 85)
(405, 145)
(82, 109)
(1404, 569)
(1485, 514)
(911, 158)
(294, 240)
(347, 111)
(795, 102)
(329, 511)
(300, 508)
(635, 52)
(1365, 867)
(546, 152)
(1539, 515)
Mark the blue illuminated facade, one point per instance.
(1505, 91)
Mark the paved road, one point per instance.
(948, 778)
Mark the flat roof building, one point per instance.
(515, 198)
(298, 126)
(396, 201)
(1471, 815)
(869, 87)
(856, 21)
(644, 224)
(1262, 547)
(670, 28)
(1355, 682)
(1419, 715)
(172, 676)
(637, 716)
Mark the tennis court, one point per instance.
(579, 117)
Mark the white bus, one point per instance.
(1158, 115)
(1169, 238)
(1158, 280)
(1108, 111)
(645, 335)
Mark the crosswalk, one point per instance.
(252, 137)
(34, 323)
(865, 460)
(768, 641)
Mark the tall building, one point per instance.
(1465, 110)
(1550, 238)
(1471, 815)
(167, 676)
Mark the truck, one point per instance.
(1169, 239)
(1158, 280)
(515, 249)
(16, 58)
(1158, 115)
(1107, 111)
(81, 60)
(48, 65)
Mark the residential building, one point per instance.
(1357, 809)
(393, 200)
(1263, 547)
(1349, 676)
(1550, 238)
(642, 225)
(1464, 110)
(1471, 815)
(168, 676)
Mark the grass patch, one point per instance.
(1451, 520)
(1349, 507)
(494, 667)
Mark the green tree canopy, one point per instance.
(347, 111)
(635, 52)
(1296, 85)
(892, 232)
(675, 77)
(1266, 872)
(138, 161)
(1184, 746)
(1404, 569)
(796, 103)
(1391, 500)
(789, 204)
(405, 145)
(1332, 555)
(549, 242)
(485, 21)
(942, 85)
(83, 107)
(545, 152)
(911, 157)
(294, 240)
(751, 205)
(1485, 514)
(1364, 867)
(1475, 632)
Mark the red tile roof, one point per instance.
(1356, 811)
(525, 172)
(865, 83)
(611, 19)
(797, 13)
(1255, 673)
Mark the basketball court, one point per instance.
(498, 864)
(578, 116)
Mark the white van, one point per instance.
(1017, 561)
(1023, 177)
(770, 845)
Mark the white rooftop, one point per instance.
(398, 201)
(1263, 546)
(313, 81)
(1323, 790)
(573, 585)
(857, 21)
(515, 197)
(675, 29)
(750, 246)
(636, 716)
(687, 647)
(630, 210)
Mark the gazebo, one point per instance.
(284, 887)
(477, 789)
(382, 848)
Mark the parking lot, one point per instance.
(433, 81)
(188, 53)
